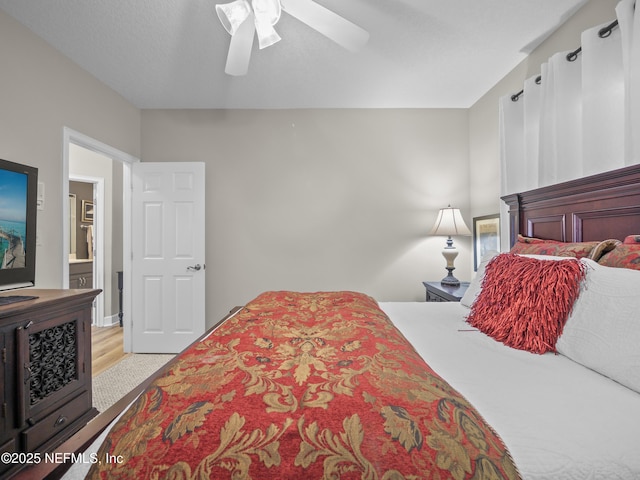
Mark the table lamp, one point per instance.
(450, 223)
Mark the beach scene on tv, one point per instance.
(13, 219)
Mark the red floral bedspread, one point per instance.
(303, 386)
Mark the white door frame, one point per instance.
(77, 138)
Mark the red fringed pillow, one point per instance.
(524, 302)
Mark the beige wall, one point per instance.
(484, 153)
(41, 92)
(320, 199)
(299, 199)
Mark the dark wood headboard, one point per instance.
(597, 207)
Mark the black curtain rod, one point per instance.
(604, 32)
(516, 96)
(573, 56)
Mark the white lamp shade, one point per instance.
(233, 14)
(267, 11)
(267, 35)
(450, 223)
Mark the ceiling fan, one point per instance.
(245, 18)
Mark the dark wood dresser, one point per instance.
(45, 375)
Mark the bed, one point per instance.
(326, 384)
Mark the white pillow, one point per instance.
(603, 330)
(476, 283)
(546, 257)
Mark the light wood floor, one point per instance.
(106, 348)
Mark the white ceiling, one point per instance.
(421, 53)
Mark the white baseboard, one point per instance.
(111, 320)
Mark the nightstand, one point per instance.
(436, 292)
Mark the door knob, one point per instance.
(195, 267)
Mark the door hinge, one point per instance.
(4, 410)
(4, 355)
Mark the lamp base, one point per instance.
(450, 280)
(450, 253)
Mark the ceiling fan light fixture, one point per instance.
(233, 14)
(336, 28)
(267, 13)
(267, 35)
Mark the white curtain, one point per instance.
(630, 23)
(532, 111)
(512, 146)
(603, 98)
(561, 120)
(583, 117)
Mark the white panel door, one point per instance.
(168, 248)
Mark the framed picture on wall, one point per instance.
(87, 211)
(486, 236)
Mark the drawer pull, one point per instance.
(61, 420)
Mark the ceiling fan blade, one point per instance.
(346, 34)
(240, 48)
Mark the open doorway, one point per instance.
(95, 248)
(74, 142)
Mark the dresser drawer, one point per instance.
(434, 297)
(55, 422)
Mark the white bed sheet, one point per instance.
(559, 420)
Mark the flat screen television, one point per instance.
(18, 211)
